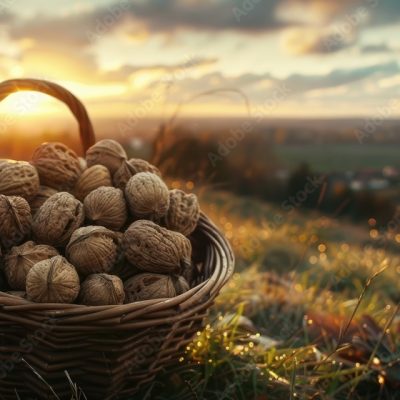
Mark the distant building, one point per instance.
(369, 179)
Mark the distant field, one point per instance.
(339, 157)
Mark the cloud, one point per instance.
(208, 15)
(314, 26)
(71, 31)
(300, 41)
(331, 26)
(53, 63)
(347, 76)
(380, 12)
(162, 16)
(81, 66)
(166, 16)
(315, 10)
(383, 12)
(125, 71)
(295, 83)
(66, 47)
(376, 48)
(339, 77)
(341, 91)
(339, 24)
(6, 16)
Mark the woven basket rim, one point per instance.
(213, 283)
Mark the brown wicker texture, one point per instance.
(109, 351)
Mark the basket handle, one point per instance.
(52, 89)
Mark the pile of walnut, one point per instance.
(100, 231)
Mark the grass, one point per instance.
(312, 312)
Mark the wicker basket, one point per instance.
(109, 351)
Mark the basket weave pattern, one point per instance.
(109, 351)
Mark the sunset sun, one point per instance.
(26, 103)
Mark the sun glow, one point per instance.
(25, 103)
(92, 92)
(142, 79)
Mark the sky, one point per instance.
(144, 58)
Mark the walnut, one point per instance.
(58, 165)
(52, 281)
(183, 212)
(43, 194)
(152, 248)
(102, 290)
(19, 179)
(154, 286)
(147, 196)
(21, 259)
(106, 206)
(130, 168)
(91, 179)
(57, 218)
(5, 161)
(92, 249)
(106, 152)
(15, 220)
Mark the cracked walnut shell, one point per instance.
(52, 281)
(92, 249)
(106, 206)
(131, 168)
(183, 212)
(152, 248)
(147, 196)
(106, 152)
(15, 220)
(57, 218)
(21, 259)
(154, 286)
(58, 165)
(19, 179)
(102, 290)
